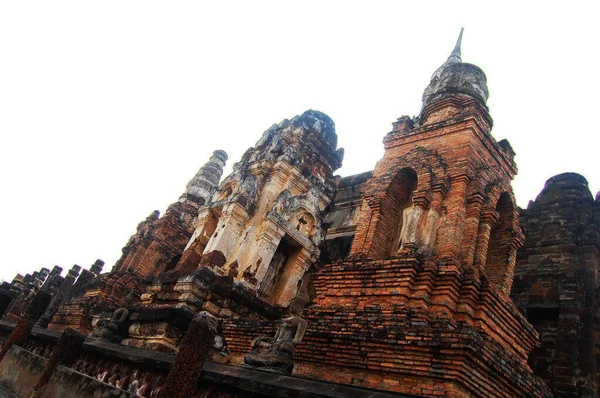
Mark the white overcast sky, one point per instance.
(108, 108)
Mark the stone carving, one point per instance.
(114, 329)
(276, 354)
(136, 380)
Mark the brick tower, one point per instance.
(422, 304)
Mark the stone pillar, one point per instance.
(489, 218)
(230, 226)
(59, 296)
(206, 224)
(363, 239)
(96, 268)
(195, 348)
(82, 283)
(428, 235)
(266, 248)
(19, 335)
(65, 352)
(515, 243)
(291, 278)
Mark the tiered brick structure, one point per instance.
(556, 282)
(407, 270)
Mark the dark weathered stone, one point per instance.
(556, 282)
(25, 324)
(66, 350)
(276, 354)
(116, 328)
(5, 300)
(196, 347)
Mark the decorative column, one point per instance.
(230, 226)
(489, 218)
(291, 277)
(474, 207)
(205, 226)
(515, 244)
(265, 249)
(369, 216)
(456, 208)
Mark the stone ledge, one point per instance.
(270, 384)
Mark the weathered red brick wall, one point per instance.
(159, 242)
(372, 324)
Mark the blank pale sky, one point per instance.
(108, 108)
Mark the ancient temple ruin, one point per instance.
(419, 278)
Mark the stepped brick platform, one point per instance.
(374, 323)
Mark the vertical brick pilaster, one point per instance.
(195, 348)
(488, 219)
(450, 237)
(469, 241)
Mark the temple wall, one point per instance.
(369, 326)
(20, 369)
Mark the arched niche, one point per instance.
(279, 269)
(304, 222)
(394, 209)
(500, 255)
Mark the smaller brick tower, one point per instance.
(154, 248)
(159, 241)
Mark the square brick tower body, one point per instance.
(422, 303)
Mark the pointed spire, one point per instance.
(455, 56)
(201, 188)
